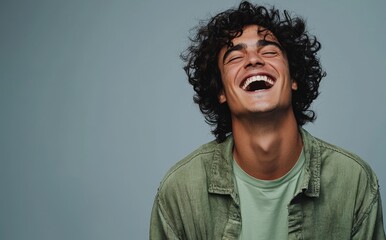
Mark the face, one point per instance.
(255, 74)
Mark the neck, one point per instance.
(266, 149)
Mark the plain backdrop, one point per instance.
(95, 106)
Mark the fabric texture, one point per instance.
(263, 203)
(338, 198)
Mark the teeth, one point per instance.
(255, 79)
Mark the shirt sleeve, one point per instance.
(159, 227)
(371, 227)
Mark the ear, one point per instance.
(222, 98)
(294, 85)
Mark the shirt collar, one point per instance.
(311, 181)
(221, 179)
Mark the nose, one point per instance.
(254, 60)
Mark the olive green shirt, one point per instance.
(338, 199)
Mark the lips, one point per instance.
(257, 82)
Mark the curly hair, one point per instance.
(201, 59)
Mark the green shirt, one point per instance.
(338, 199)
(264, 203)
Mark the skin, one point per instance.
(267, 142)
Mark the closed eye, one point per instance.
(233, 53)
(269, 49)
(233, 59)
(270, 53)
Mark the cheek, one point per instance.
(225, 79)
(230, 75)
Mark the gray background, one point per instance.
(95, 106)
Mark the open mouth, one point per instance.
(256, 83)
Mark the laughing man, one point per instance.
(255, 72)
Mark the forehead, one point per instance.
(254, 32)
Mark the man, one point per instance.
(255, 73)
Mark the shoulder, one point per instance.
(189, 174)
(184, 186)
(343, 174)
(345, 161)
(195, 162)
(339, 168)
(337, 160)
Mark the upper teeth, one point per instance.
(257, 78)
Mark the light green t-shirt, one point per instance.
(264, 203)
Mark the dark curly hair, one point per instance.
(201, 59)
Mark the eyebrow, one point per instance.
(263, 42)
(241, 46)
